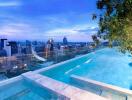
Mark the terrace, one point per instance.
(75, 88)
(70, 62)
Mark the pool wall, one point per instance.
(10, 87)
(102, 87)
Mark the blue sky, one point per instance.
(43, 19)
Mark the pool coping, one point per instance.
(102, 85)
(63, 90)
(58, 64)
(11, 80)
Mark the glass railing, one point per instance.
(18, 64)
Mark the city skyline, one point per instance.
(39, 20)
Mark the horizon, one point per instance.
(86, 38)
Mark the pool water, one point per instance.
(23, 90)
(107, 65)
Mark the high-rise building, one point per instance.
(28, 47)
(65, 41)
(2, 43)
(14, 47)
(3, 53)
(5, 48)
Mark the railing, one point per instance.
(18, 64)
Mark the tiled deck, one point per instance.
(62, 90)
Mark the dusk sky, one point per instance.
(43, 19)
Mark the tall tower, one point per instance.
(14, 47)
(3, 43)
(65, 41)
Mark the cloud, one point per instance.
(45, 27)
(16, 30)
(23, 31)
(43, 19)
(88, 30)
(61, 32)
(74, 34)
(9, 4)
(83, 29)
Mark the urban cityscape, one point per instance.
(19, 57)
(65, 49)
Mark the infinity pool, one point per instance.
(107, 65)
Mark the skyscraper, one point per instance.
(65, 41)
(14, 47)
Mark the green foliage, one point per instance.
(116, 22)
(96, 40)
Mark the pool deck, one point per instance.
(62, 90)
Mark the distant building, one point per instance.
(62, 50)
(10, 48)
(51, 44)
(65, 41)
(35, 43)
(19, 49)
(58, 46)
(14, 47)
(49, 47)
(4, 47)
(2, 43)
(28, 47)
(3, 53)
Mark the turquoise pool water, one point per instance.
(23, 90)
(107, 65)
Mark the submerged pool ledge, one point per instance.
(64, 91)
(102, 86)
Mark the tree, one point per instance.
(115, 24)
(96, 40)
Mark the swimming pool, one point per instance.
(107, 65)
(21, 89)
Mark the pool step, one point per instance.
(62, 90)
(21, 93)
(109, 91)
